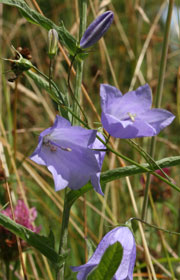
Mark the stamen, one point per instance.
(132, 116)
(65, 149)
(53, 146)
(48, 144)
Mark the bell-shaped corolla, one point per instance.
(125, 271)
(130, 115)
(72, 154)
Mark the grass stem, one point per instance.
(158, 98)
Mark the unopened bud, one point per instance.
(96, 29)
(52, 42)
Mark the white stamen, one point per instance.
(66, 149)
(132, 116)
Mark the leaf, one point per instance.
(36, 18)
(43, 84)
(178, 93)
(121, 172)
(109, 263)
(54, 92)
(51, 239)
(90, 247)
(41, 243)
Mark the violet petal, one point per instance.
(125, 270)
(130, 115)
(96, 29)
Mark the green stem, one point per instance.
(121, 172)
(79, 70)
(76, 111)
(77, 91)
(153, 226)
(15, 117)
(7, 270)
(59, 97)
(50, 72)
(158, 98)
(162, 239)
(139, 165)
(127, 158)
(64, 234)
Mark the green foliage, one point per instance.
(44, 84)
(43, 244)
(124, 44)
(121, 172)
(36, 18)
(109, 263)
(90, 247)
(57, 96)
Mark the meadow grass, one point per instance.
(129, 55)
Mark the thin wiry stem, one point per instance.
(154, 226)
(76, 111)
(158, 98)
(13, 217)
(15, 117)
(64, 235)
(84, 91)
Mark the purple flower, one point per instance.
(68, 152)
(8, 242)
(125, 270)
(130, 115)
(96, 29)
(23, 215)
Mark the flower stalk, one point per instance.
(158, 98)
(64, 233)
(76, 109)
(79, 70)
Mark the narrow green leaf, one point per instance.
(90, 246)
(109, 263)
(178, 94)
(43, 84)
(121, 172)
(51, 239)
(54, 92)
(36, 18)
(133, 170)
(41, 243)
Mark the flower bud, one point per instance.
(52, 42)
(96, 29)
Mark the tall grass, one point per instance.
(129, 55)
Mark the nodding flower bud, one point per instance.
(96, 29)
(52, 42)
